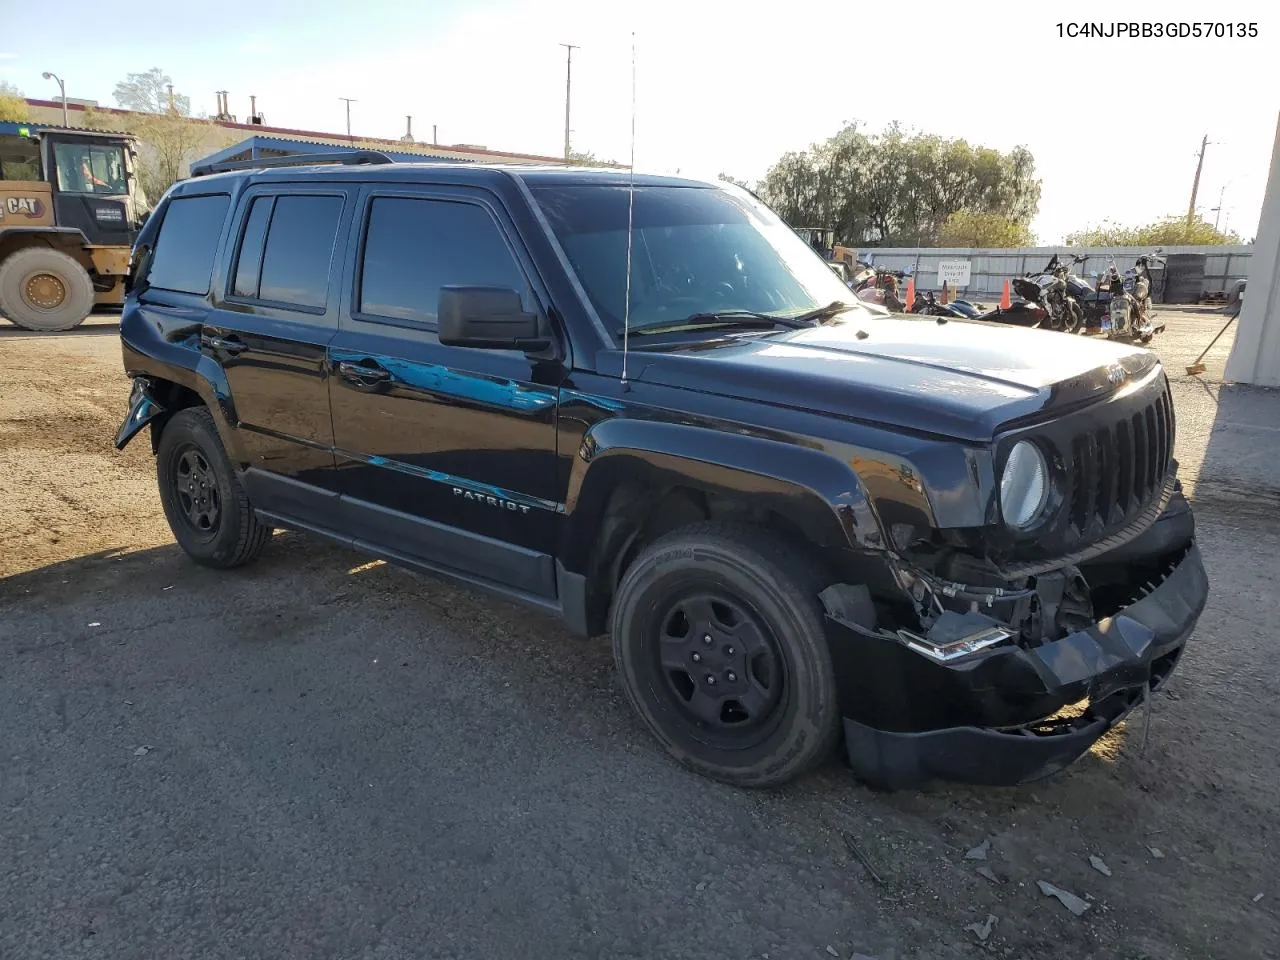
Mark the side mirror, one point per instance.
(488, 317)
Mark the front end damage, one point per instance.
(1004, 681)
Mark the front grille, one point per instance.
(1116, 470)
(1113, 466)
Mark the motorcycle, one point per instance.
(1131, 316)
(928, 305)
(1055, 283)
(1093, 302)
(873, 285)
(1025, 308)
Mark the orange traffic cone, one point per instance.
(944, 299)
(1005, 300)
(911, 293)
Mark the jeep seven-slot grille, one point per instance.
(1115, 471)
(1112, 463)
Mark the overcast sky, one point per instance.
(1114, 124)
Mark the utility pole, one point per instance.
(1195, 184)
(568, 87)
(351, 100)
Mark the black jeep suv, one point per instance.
(647, 406)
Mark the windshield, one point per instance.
(695, 250)
(90, 168)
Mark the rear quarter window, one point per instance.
(184, 251)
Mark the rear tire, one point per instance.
(719, 641)
(44, 290)
(203, 499)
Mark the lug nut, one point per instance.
(697, 658)
(729, 651)
(731, 676)
(706, 638)
(711, 681)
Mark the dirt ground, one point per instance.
(323, 757)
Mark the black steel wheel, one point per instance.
(720, 664)
(718, 637)
(203, 499)
(196, 489)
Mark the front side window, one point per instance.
(414, 247)
(90, 168)
(188, 240)
(694, 250)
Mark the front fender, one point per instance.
(820, 494)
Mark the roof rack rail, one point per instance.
(345, 157)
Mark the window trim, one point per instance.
(357, 276)
(213, 266)
(275, 192)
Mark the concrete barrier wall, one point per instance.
(990, 268)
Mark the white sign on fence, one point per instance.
(955, 273)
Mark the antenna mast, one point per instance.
(631, 206)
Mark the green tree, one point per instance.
(1166, 232)
(13, 105)
(969, 228)
(168, 145)
(898, 188)
(150, 93)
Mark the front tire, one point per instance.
(203, 499)
(718, 638)
(44, 290)
(1075, 318)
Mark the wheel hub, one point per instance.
(721, 663)
(45, 290)
(197, 491)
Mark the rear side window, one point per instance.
(299, 250)
(415, 247)
(188, 240)
(249, 260)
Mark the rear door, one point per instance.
(447, 454)
(275, 312)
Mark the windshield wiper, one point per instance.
(822, 314)
(741, 319)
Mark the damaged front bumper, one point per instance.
(910, 719)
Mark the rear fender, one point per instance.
(144, 409)
(821, 495)
(167, 354)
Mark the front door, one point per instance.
(274, 314)
(447, 455)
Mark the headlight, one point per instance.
(1024, 485)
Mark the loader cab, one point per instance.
(92, 177)
(84, 181)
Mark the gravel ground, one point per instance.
(322, 757)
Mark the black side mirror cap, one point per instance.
(492, 318)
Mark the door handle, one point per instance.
(224, 344)
(359, 373)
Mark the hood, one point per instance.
(958, 378)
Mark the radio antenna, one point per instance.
(631, 206)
